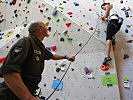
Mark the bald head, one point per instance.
(33, 27)
(38, 29)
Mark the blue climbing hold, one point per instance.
(126, 13)
(126, 30)
(48, 48)
(75, 3)
(54, 12)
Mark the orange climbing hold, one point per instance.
(91, 28)
(105, 67)
(2, 59)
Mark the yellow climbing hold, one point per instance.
(46, 23)
(9, 33)
(7, 40)
(61, 7)
(20, 14)
(21, 29)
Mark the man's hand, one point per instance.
(70, 58)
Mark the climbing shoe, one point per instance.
(107, 59)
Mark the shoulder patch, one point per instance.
(17, 50)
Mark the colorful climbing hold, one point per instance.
(46, 23)
(69, 13)
(9, 33)
(13, 2)
(58, 20)
(87, 71)
(68, 24)
(126, 79)
(105, 31)
(75, 3)
(54, 48)
(48, 48)
(91, 28)
(54, 12)
(19, 4)
(126, 30)
(39, 6)
(68, 37)
(105, 67)
(126, 13)
(2, 59)
(61, 7)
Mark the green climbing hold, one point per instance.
(58, 20)
(68, 37)
(125, 78)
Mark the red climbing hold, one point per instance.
(19, 4)
(68, 24)
(53, 48)
(69, 13)
(2, 59)
(14, 2)
(105, 31)
(39, 6)
(105, 67)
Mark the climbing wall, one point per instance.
(124, 38)
(83, 21)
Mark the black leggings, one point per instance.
(112, 28)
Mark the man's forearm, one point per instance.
(15, 83)
(58, 57)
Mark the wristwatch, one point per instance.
(65, 57)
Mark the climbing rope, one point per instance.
(71, 62)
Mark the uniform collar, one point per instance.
(36, 40)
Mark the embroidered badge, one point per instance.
(17, 49)
(37, 58)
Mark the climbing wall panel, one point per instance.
(76, 85)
